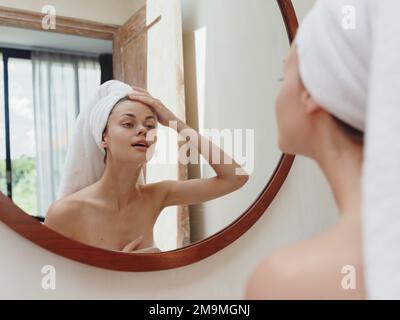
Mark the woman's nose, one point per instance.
(142, 130)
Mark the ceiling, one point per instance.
(20, 38)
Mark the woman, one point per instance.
(117, 212)
(312, 269)
(320, 112)
(341, 80)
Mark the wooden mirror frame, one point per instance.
(33, 230)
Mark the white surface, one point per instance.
(163, 82)
(381, 216)
(341, 85)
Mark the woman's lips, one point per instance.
(140, 148)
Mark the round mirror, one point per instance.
(232, 59)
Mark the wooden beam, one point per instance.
(12, 17)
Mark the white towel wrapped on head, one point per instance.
(334, 59)
(84, 163)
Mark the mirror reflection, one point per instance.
(102, 156)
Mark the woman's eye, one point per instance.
(127, 125)
(151, 127)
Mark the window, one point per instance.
(38, 111)
(22, 134)
(3, 183)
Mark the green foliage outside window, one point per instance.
(23, 183)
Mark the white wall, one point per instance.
(105, 11)
(242, 64)
(303, 207)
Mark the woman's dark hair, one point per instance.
(105, 129)
(354, 134)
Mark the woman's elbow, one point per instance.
(241, 180)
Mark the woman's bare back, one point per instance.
(87, 218)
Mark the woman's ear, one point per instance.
(309, 103)
(104, 140)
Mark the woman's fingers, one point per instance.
(135, 95)
(147, 250)
(140, 95)
(147, 100)
(141, 90)
(133, 245)
(152, 102)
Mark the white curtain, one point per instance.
(62, 84)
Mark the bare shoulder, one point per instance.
(310, 269)
(62, 215)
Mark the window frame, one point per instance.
(8, 53)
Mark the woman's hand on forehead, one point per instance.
(164, 115)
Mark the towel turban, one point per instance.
(334, 58)
(84, 163)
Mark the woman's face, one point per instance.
(129, 123)
(293, 109)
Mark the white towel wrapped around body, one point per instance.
(84, 163)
